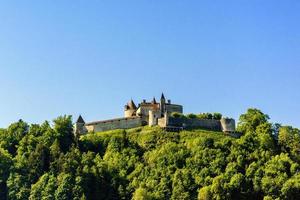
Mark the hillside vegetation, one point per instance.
(47, 162)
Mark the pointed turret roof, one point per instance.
(162, 96)
(154, 100)
(80, 120)
(131, 104)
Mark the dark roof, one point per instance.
(162, 96)
(80, 120)
(112, 120)
(154, 100)
(172, 104)
(131, 104)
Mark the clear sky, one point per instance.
(91, 57)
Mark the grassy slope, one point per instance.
(151, 137)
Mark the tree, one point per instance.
(183, 185)
(41, 162)
(18, 187)
(264, 134)
(65, 187)
(14, 134)
(70, 162)
(48, 192)
(38, 162)
(236, 184)
(141, 194)
(55, 155)
(291, 188)
(191, 116)
(177, 115)
(276, 127)
(289, 141)
(249, 121)
(205, 116)
(32, 157)
(38, 188)
(217, 116)
(218, 188)
(35, 130)
(5, 164)
(204, 193)
(277, 171)
(48, 134)
(64, 130)
(78, 189)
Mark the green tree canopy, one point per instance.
(249, 121)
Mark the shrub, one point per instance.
(177, 115)
(191, 116)
(205, 116)
(217, 116)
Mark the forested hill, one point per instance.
(47, 162)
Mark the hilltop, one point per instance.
(49, 162)
(162, 113)
(147, 138)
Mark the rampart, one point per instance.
(225, 125)
(209, 124)
(119, 123)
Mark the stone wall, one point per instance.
(121, 123)
(162, 122)
(209, 124)
(174, 108)
(174, 122)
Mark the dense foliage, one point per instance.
(216, 116)
(47, 162)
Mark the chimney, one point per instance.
(169, 101)
(144, 100)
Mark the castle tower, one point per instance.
(228, 125)
(152, 118)
(130, 109)
(162, 103)
(153, 101)
(166, 116)
(79, 126)
(154, 115)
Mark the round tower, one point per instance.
(130, 109)
(152, 120)
(228, 124)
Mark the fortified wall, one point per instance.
(120, 123)
(225, 124)
(153, 114)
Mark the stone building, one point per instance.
(152, 113)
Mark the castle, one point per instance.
(153, 114)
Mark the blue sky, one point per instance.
(91, 57)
